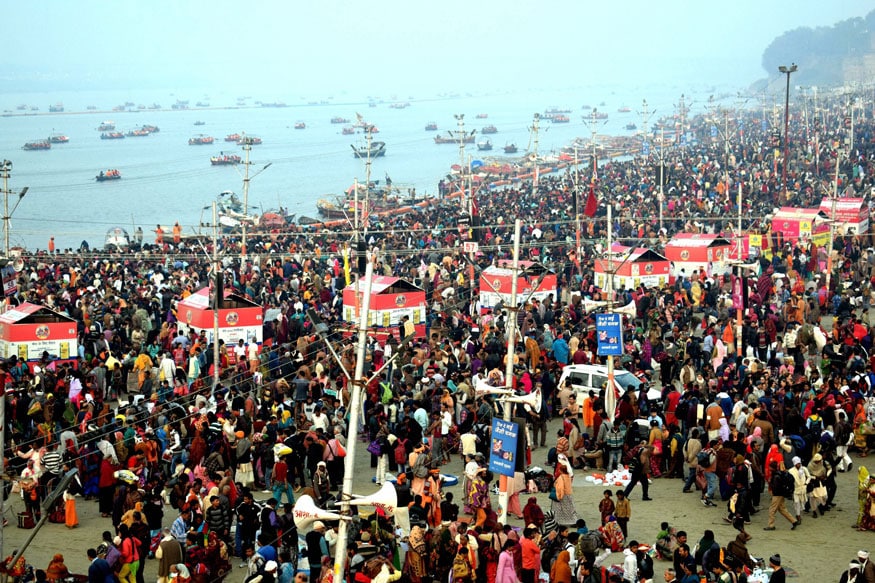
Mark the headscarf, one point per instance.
(774, 455)
(561, 570)
(183, 571)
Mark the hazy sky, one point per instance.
(320, 47)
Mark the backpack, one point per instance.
(784, 484)
(401, 452)
(589, 543)
(704, 458)
(461, 567)
(645, 566)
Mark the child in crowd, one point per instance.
(606, 506)
(623, 512)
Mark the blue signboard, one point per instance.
(646, 148)
(610, 334)
(502, 450)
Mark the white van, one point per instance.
(591, 377)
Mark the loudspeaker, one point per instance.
(306, 513)
(385, 498)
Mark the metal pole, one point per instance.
(835, 196)
(787, 71)
(352, 437)
(503, 494)
(2, 457)
(247, 147)
(367, 208)
(738, 318)
(661, 173)
(7, 166)
(610, 289)
(217, 303)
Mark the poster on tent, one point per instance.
(502, 450)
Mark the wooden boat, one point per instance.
(348, 131)
(484, 145)
(108, 175)
(200, 140)
(138, 133)
(623, 109)
(338, 119)
(224, 159)
(300, 125)
(490, 129)
(200, 123)
(631, 126)
(451, 140)
(510, 149)
(58, 139)
(151, 129)
(232, 137)
(251, 140)
(37, 145)
(482, 115)
(431, 127)
(560, 118)
(378, 149)
(106, 126)
(112, 136)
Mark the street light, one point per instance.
(786, 71)
(5, 170)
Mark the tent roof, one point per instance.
(201, 300)
(698, 240)
(28, 313)
(383, 284)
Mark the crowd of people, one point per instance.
(174, 463)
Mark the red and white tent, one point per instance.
(807, 224)
(851, 215)
(392, 298)
(698, 251)
(496, 282)
(238, 317)
(29, 330)
(632, 267)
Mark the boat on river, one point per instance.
(112, 136)
(378, 149)
(224, 159)
(484, 145)
(431, 126)
(490, 129)
(200, 140)
(469, 139)
(37, 145)
(338, 119)
(59, 139)
(106, 126)
(510, 149)
(106, 175)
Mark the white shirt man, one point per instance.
(446, 421)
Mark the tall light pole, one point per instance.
(247, 147)
(5, 170)
(786, 71)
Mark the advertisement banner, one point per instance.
(610, 334)
(502, 451)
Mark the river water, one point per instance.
(165, 180)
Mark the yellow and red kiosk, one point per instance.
(793, 224)
(28, 330)
(238, 317)
(632, 267)
(698, 251)
(496, 282)
(392, 298)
